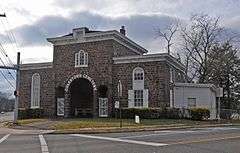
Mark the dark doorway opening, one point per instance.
(81, 98)
(60, 92)
(103, 91)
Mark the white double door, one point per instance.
(103, 107)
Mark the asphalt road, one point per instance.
(7, 116)
(205, 140)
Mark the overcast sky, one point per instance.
(33, 21)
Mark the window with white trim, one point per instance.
(192, 102)
(138, 78)
(138, 74)
(35, 91)
(81, 59)
(138, 98)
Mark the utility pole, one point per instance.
(17, 89)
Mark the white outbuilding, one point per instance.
(190, 95)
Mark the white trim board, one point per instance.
(98, 36)
(33, 66)
(150, 58)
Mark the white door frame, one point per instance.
(103, 106)
(60, 106)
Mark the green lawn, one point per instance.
(78, 123)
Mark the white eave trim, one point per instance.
(150, 58)
(196, 85)
(35, 66)
(98, 36)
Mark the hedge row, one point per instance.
(167, 113)
(148, 113)
(30, 113)
(199, 113)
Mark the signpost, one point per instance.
(219, 94)
(119, 97)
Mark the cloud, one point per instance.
(140, 28)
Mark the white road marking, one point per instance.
(121, 140)
(43, 143)
(146, 135)
(218, 128)
(158, 133)
(171, 132)
(4, 138)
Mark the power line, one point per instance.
(7, 79)
(13, 35)
(5, 54)
(7, 34)
(12, 40)
(7, 69)
(8, 59)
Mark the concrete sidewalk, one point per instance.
(5, 130)
(16, 131)
(132, 129)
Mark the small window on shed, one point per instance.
(192, 102)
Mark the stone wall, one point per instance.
(156, 81)
(47, 90)
(99, 68)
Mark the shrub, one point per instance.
(199, 113)
(30, 113)
(148, 113)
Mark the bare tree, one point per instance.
(198, 40)
(168, 33)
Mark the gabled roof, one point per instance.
(81, 35)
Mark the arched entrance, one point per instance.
(81, 98)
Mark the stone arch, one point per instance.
(79, 76)
(67, 101)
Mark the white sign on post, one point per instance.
(219, 92)
(119, 88)
(137, 119)
(116, 104)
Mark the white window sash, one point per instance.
(81, 59)
(145, 98)
(35, 91)
(130, 98)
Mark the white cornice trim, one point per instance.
(150, 58)
(98, 36)
(35, 66)
(196, 85)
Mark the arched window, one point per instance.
(139, 95)
(35, 91)
(138, 74)
(81, 59)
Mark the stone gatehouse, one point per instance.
(87, 66)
